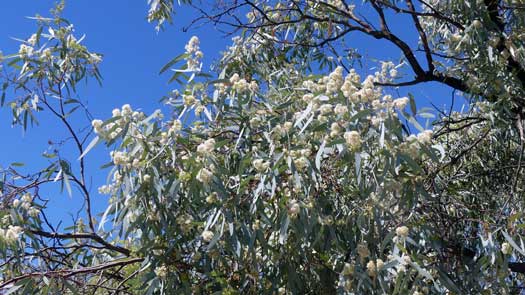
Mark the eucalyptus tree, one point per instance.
(289, 168)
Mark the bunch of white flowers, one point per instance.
(25, 51)
(402, 232)
(175, 127)
(371, 268)
(204, 176)
(11, 234)
(206, 147)
(207, 235)
(119, 158)
(401, 103)
(260, 165)
(353, 140)
(161, 271)
(193, 60)
(335, 129)
(26, 203)
(425, 137)
(97, 125)
(349, 86)
(301, 163)
(335, 81)
(340, 109)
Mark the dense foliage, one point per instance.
(285, 170)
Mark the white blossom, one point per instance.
(402, 231)
(204, 176)
(206, 147)
(353, 140)
(207, 235)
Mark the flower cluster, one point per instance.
(194, 55)
(12, 234)
(26, 203)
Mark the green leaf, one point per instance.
(68, 185)
(172, 62)
(283, 232)
(13, 289)
(91, 145)
(412, 101)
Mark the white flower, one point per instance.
(207, 235)
(371, 268)
(126, 110)
(115, 113)
(376, 104)
(401, 103)
(335, 129)
(254, 122)
(33, 212)
(425, 137)
(234, 78)
(206, 147)
(46, 54)
(97, 125)
(147, 178)
(241, 85)
(211, 198)
(477, 24)
(380, 264)
(12, 234)
(94, 58)
(287, 126)
(27, 198)
(301, 163)
(260, 165)
(325, 109)
(402, 231)
(161, 271)
(120, 158)
(340, 109)
(25, 51)
(193, 45)
(26, 205)
(188, 100)
(257, 224)
(204, 176)
(335, 80)
(353, 140)
(16, 203)
(308, 97)
(32, 40)
(506, 248)
(405, 259)
(254, 87)
(393, 73)
(277, 131)
(176, 125)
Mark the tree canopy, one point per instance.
(288, 169)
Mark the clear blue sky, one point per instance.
(133, 54)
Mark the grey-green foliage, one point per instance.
(287, 171)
